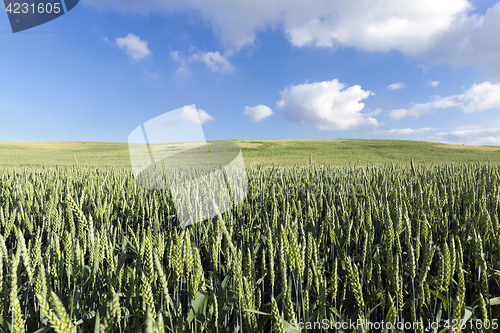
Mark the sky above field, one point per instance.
(262, 69)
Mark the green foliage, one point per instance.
(85, 249)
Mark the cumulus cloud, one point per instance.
(175, 55)
(479, 97)
(214, 60)
(204, 117)
(195, 116)
(407, 131)
(396, 86)
(434, 84)
(407, 26)
(325, 106)
(445, 31)
(476, 137)
(374, 113)
(472, 42)
(418, 110)
(135, 47)
(374, 25)
(258, 113)
(182, 71)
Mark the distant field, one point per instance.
(283, 152)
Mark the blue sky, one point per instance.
(401, 69)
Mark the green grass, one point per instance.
(283, 152)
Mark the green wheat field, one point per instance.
(333, 236)
(337, 152)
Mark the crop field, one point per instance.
(340, 152)
(311, 248)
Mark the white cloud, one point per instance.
(444, 31)
(407, 131)
(214, 60)
(175, 55)
(135, 47)
(258, 113)
(479, 97)
(325, 106)
(396, 86)
(191, 114)
(204, 117)
(418, 110)
(472, 42)
(465, 127)
(409, 26)
(477, 137)
(375, 25)
(374, 113)
(182, 71)
(425, 68)
(195, 116)
(434, 84)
